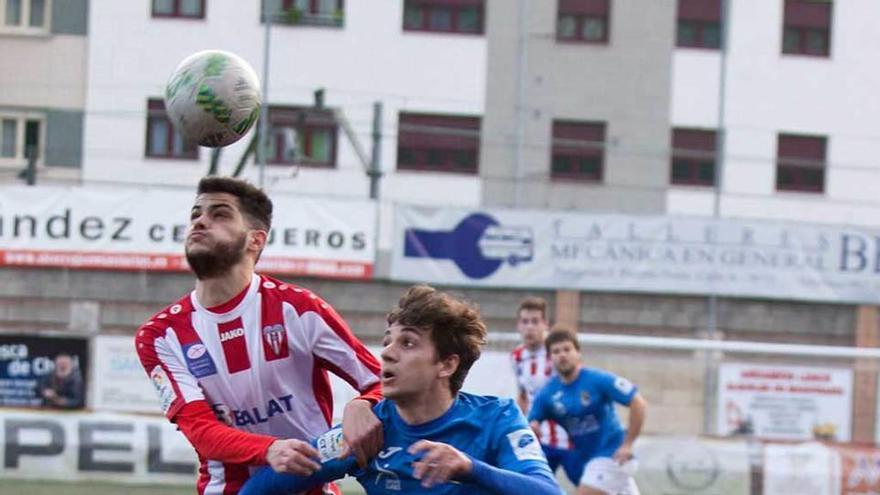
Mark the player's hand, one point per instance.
(362, 432)
(623, 454)
(440, 463)
(293, 456)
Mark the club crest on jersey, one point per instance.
(275, 342)
(198, 360)
(585, 398)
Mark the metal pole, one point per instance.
(263, 138)
(709, 391)
(521, 100)
(375, 166)
(31, 170)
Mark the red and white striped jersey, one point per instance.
(260, 361)
(532, 370)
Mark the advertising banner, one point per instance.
(84, 446)
(120, 382)
(785, 402)
(800, 469)
(43, 371)
(144, 229)
(861, 469)
(682, 255)
(682, 466)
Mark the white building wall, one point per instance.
(768, 93)
(371, 58)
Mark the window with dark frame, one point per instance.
(693, 157)
(440, 143)
(444, 16)
(302, 136)
(578, 150)
(187, 9)
(163, 140)
(807, 27)
(800, 163)
(325, 13)
(583, 21)
(699, 24)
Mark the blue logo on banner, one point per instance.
(198, 360)
(478, 245)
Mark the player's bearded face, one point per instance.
(218, 258)
(565, 357)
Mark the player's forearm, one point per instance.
(267, 482)
(217, 441)
(637, 410)
(532, 482)
(372, 394)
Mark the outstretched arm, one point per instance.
(442, 462)
(327, 448)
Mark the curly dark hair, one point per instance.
(454, 325)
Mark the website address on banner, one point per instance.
(316, 268)
(158, 262)
(79, 259)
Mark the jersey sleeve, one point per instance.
(515, 442)
(519, 466)
(618, 388)
(173, 382)
(266, 481)
(540, 410)
(340, 352)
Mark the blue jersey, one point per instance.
(585, 408)
(492, 431)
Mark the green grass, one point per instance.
(20, 487)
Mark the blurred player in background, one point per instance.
(533, 369)
(582, 400)
(437, 439)
(252, 351)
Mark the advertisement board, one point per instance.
(43, 371)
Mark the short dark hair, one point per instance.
(561, 334)
(533, 303)
(455, 326)
(254, 204)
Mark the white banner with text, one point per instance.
(144, 229)
(681, 255)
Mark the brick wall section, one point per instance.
(567, 308)
(865, 376)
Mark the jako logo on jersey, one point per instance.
(231, 334)
(478, 245)
(234, 342)
(392, 481)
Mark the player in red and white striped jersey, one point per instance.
(253, 352)
(533, 368)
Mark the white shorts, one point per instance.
(605, 474)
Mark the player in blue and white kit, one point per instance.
(582, 401)
(437, 439)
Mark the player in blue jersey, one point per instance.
(438, 440)
(582, 400)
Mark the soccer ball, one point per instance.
(213, 98)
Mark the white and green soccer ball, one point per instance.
(213, 98)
